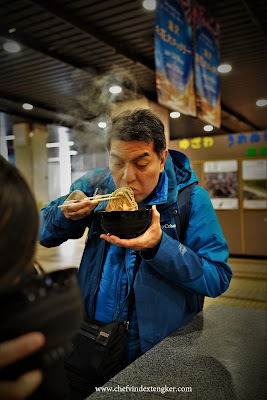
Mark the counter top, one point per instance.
(220, 354)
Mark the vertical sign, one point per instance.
(173, 56)
(207, 57)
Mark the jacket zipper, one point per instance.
(99, 275)
(117, 305)
(86, 334)
(127, 254)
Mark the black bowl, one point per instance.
(125, 224)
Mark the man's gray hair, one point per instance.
(140, 125)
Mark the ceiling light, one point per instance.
(149, 4)
(8, 137)
(115, 89)
(53, 159)
(223, 68)
(102, 125)
(208, 128)
(11, 47)
(261, 102)
(12, 30)
(50, 145)
(27, 106)
(57, 144)
(175, 114)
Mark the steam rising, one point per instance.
(92, 103)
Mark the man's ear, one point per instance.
(163, 159)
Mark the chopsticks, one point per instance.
(97, 198)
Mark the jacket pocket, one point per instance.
(190, 299)
(194, 302)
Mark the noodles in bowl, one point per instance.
(124, 200)
(122, 216)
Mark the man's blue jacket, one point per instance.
(166, 284)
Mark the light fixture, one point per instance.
(8, 137)
(57, 144)
(261, 102)
(53, 159)
(208, 128)
(11, 47)
(149, 4)
(102, 125)
(223, 68)
(175, 114)
(115, 89)
(27, 106)
(12, 30)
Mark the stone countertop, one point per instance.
(220, 354)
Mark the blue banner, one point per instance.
(173, 56)
(207, 58)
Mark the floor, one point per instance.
(247, 288)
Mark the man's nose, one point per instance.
(128, 174)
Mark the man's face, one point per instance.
(136, 165)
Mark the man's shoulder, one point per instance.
(200, 200)
(200, 191)
(194, 193)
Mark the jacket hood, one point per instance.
(179, 172)
(184, 174)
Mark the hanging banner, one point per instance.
(173, 56)
(207, 58)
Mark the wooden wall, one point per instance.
(245, 229)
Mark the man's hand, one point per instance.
(12, 351)
(146, 241)
(81, 209)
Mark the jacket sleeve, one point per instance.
(200, 264)
(55, 227)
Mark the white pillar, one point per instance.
(3, 136)
(64, 161)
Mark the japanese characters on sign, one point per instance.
(173, 56)
(196, 143)
(253, 137)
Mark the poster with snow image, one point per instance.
(254, 180)
(221, 182)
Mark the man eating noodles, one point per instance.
(171, 274)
